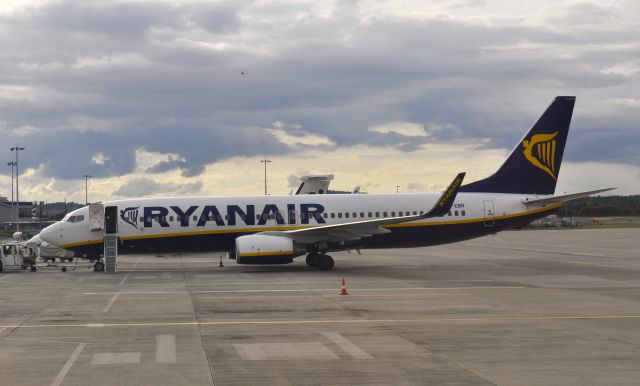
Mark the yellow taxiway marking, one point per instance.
(329, 321)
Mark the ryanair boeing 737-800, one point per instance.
(277, 229)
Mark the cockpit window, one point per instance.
(75, 219)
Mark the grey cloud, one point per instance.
(172, 87)
(144, 187)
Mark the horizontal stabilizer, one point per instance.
(564, 198)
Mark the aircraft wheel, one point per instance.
(98, 266)
(33, 268)
(64, 269)
(325, 262)
(312, 259)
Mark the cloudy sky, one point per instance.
(148, 97)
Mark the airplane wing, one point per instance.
(563, 198)
(359, 229)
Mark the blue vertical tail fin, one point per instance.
(533, 166)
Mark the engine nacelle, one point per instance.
(266, 249)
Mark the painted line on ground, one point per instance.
(124, 278)
(113, 299)
(329, 321)
(67, 366)
(166, 349)
(109, 358)
(346, 345)
(302, 290)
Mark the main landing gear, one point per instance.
(322, 262)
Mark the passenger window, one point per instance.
(302, 216)
(456, 212)
(219, 217)
(195, 218)
(324, 215)
(243, 217)
(346, 215)
(257, 217)
(340, 215)
(377, 214)
(333, 215)
(141, 219)
(415, 213)
(265, 217)
(449, 213)
(370, 214)
(399, 214)
(421, 212)
(393, 214)
(226, 217)
(362, 214)
(384, 214)
(171, 218)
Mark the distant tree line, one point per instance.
(602, 206)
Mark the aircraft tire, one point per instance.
(325, 262)
(98, 266)
(312, 260)
(33, 268)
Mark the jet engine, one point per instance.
(266, 249)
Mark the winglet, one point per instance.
(445, 202)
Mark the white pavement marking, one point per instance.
(283, 351)
(67, 366)
(124, 278)
(166, 349)
(348, 347)
(2, 329)
(303, 290)
(330, 321)
(4, 277)
(109, 358)
(113, 299)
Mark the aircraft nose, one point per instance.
(52, 234)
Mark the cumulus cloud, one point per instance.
(144, 187)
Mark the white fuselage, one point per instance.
(210, 223)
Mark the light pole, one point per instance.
(17, 149)
(265, 161)
(397, 188)
(12, 164)
(86, 189)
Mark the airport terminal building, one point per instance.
(8, 211)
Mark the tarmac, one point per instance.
(548, 307)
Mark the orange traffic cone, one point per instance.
(343, 290)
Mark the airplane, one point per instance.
(278, 229)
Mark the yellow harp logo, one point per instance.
(540, 150)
